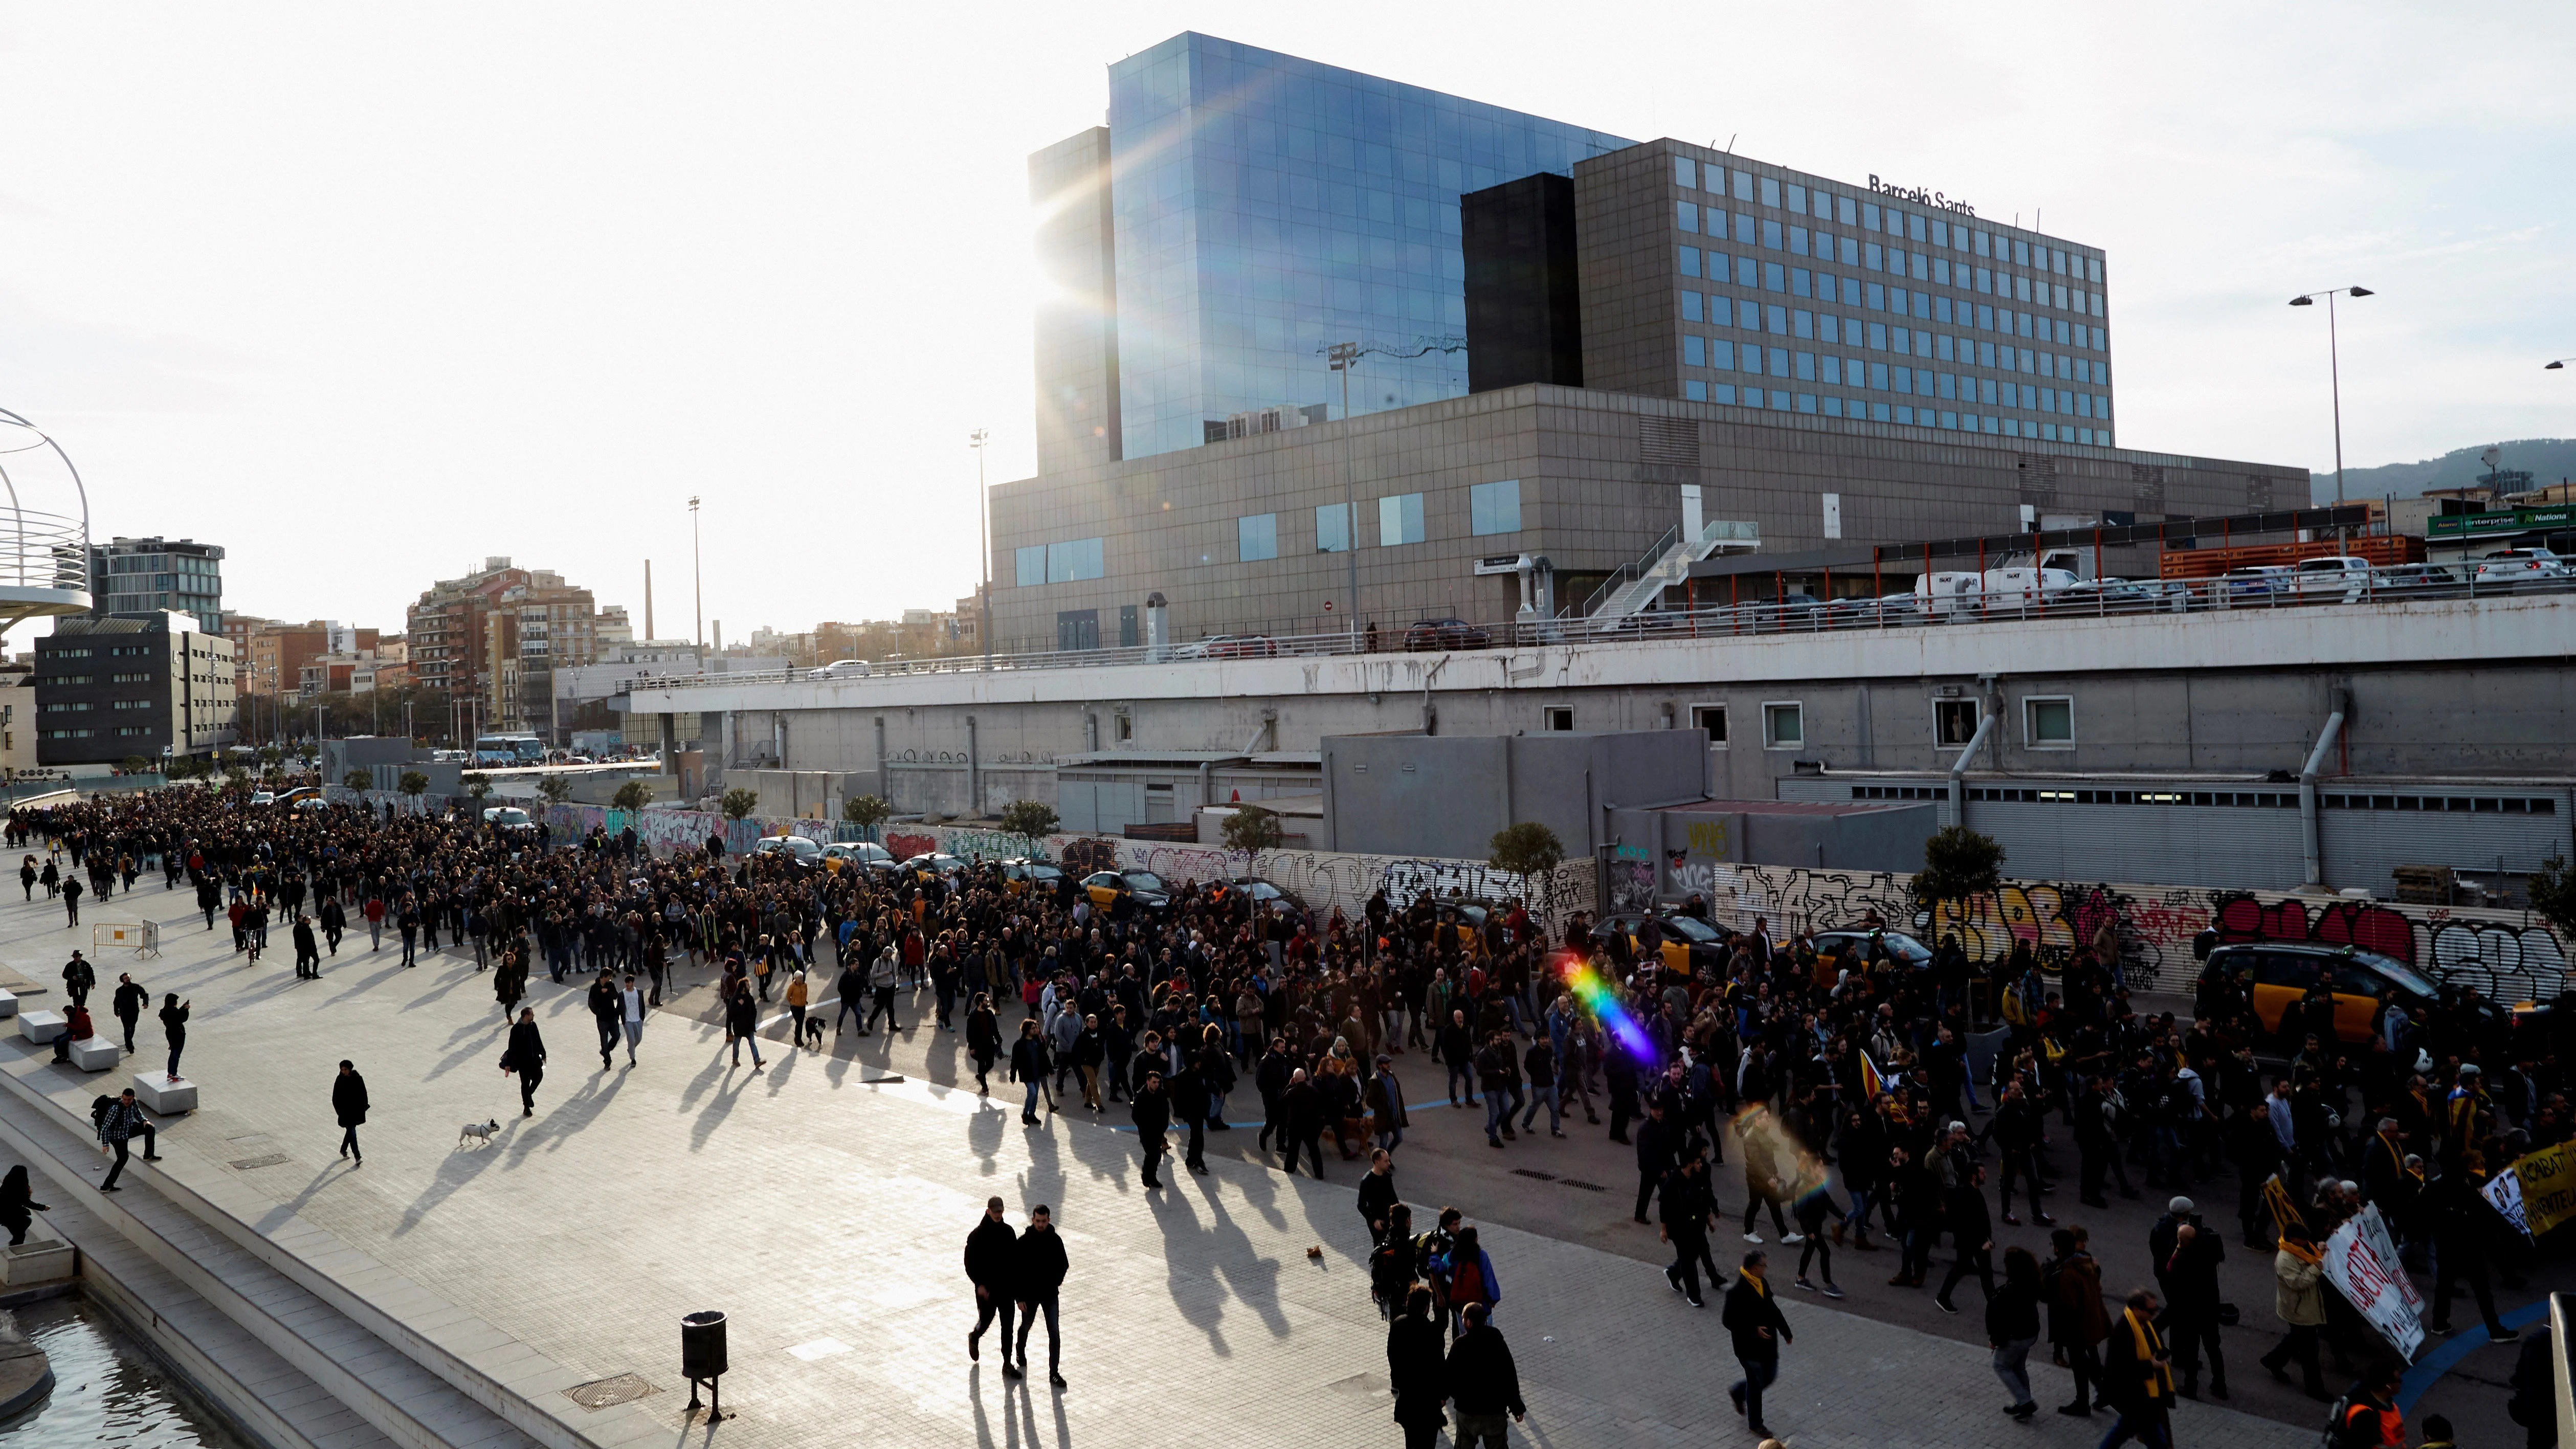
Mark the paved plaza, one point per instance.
(826, 1212)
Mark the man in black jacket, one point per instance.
(1303, 1108)
(1656, 1141)
(1039, 1268)
(1377, 1194)
(991, 1260)
(1686, 1208)
(1483, 1383)
(1152, 1111)
(349, 1105)
(1972, 1232)
(129, 1002)
(1756, 1324)
(1270, 1078)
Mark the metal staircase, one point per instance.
(1636, 586)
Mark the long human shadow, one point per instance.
(719, 1105)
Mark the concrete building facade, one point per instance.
(131, 684)
(1250, 535)
(139, 575)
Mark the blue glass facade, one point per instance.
(1265, 207)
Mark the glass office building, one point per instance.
(1264, 207)
(140, 575)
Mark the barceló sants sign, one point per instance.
(1918, 194)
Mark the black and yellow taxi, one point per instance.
(1684, 943)
(1142, 888)
(2275, 977)
(1022, 873)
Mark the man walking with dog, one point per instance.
(992, 1250)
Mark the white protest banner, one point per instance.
(2361, 1263)
(2504, 1192)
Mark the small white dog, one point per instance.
(479, 1131)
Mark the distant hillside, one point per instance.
(2547, 460)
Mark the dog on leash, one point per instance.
(814, 1033)
(480, 1131)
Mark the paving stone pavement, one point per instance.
(826, 1215)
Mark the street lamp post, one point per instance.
(2334, 367)
(984, 541)
(1345, 356)
(697, 581)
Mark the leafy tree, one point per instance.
(633, 795)
(1528, 850)
(868, 812)
(477, 785)
(739, 802)
(1253, 830)
(136, 764)
(2553, 895)
(1958, 865)
(413, 783)
(270, 754)
(1031, 819)
(359, 779)
(556, 788)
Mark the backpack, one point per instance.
(99, 1107)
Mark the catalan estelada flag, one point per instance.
(1872, 1080)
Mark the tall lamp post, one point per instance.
(697, 582)
(2334, 367)
(984, 541)
(1344, 356)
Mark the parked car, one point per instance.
(2418, 576)
(1445, 634)
(507, 817)
(2338, 576)
(934, 862)
(1020, 873)
(858, 855)
(1685, 943)
(2259, 581)
(840, 669)
(262, 797)
(1859, 942)
(2520, 566)
(794, 847)
(1143, 887)
(1235, 646)
(1263, 892)
(2275, 976)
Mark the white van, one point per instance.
(1957, 593)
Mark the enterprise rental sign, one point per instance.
(2510, 520)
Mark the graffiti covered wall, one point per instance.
(2505, 954)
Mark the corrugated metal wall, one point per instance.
(2123, 834)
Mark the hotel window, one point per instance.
(1743, 229)
(2049, 722)
(1690, 261)
(1686, 216)
(1784, 726)
(1685, 173)
(1691, 307)
(1770, 191)
(1256, 537)
(1494, 507)
(1333, 528)
(1399, 519)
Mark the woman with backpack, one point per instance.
(1471, 1279)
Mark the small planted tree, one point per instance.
(413, 784)
(739, 802)
(1958, 865)
(1528, 850)
(866, 812)
(1032, 820)
(631, 796)
(136, 764)
(1253, 830)
(477, 785)
(556, 788)
(2553, 895)
(359, 779)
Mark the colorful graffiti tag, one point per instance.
(2504, 954)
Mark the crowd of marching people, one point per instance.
(1871, 1102)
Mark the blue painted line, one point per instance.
(1182, 1129)
(2420, 1378)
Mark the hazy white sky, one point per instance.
(366, 293)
